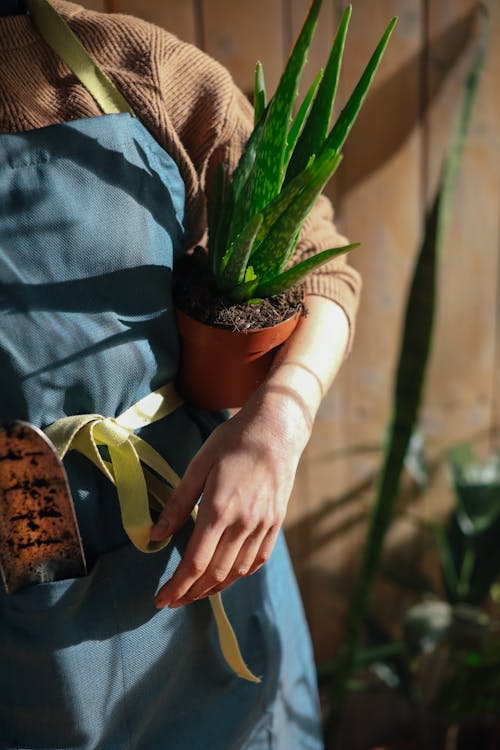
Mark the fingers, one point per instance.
(246, 558)
(245, 476)
(234, 557)
(197, 558)
(187, 588)
(265, 549)
(249, 560)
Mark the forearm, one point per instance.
(337, 279)
(305, 368)
(246, 468)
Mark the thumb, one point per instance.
(176, 512)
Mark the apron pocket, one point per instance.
(62, 678)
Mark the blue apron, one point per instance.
(91, 224)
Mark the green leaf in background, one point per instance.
(318, 122)
(447, 559)
(472, 692)
(470, 537)
(477, 489)
(426, 624)
(410, 375)
(289, 278)
(259, 95)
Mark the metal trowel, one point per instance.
(39, 537)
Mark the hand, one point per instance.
(246, 468)
(245, 471)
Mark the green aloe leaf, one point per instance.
(243, 292)
(301, 117)
(347, 117)
(271, 271)
(247, 160)
(268, 174)
(259, 93)
(215, 216)
(289, 252)
(278, 206)
(318, 122)
(287, 279)
(223, 226)
(273, 253)
(236, 258)
(241, 177)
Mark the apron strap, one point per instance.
(131, 464)
(63, 41)
(134, 466)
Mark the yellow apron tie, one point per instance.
(127, 465)
(68, 47)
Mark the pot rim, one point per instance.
(246, 331)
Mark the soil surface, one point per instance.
(193, 295)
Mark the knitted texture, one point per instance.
(186, 99)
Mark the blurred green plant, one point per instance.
(409, 382)
(255, 218)
(469, 544)
(452, 647)
(448, 663)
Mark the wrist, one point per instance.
(288, 401)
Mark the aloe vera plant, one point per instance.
(255, 217)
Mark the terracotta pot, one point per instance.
(399, 745)
(221, 368)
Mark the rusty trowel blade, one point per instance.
(39, 537)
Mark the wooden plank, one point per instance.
(239, 34)
(492, 75)
(177, 16)
(460, 394)
(461, 397)
(381, 207)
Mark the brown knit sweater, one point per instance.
(186, 100)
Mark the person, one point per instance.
(95, 209)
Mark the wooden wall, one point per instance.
(388, 175)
